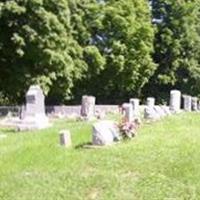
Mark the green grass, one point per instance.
(162, 162)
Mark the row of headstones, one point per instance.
(152, 112)
(35, 117)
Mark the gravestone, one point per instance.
(135, 107)
(166, 109)
(128, 112)
(149, 111)
(88, 107)
(187, 103)
(160, 112)
(34, 116)
(105, 133)
(175, 101)
(194, 103)
(65, 138)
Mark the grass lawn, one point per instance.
(162, 162)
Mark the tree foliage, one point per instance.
(36, 47)
(177, 47)
(117, 40)
(105, 48)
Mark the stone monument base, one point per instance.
(26, 124)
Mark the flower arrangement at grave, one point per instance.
(128, 129)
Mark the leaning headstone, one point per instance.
(88, 107)
(65, 138)
(128, 112)
(135, 107)
(105, 133)
(175, 101)
(194, 103)
(187, 103)
(34, 116)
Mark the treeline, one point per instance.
(112, 49)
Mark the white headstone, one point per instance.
(34, 116)
(166, 109)
(149, 111)
(135, 107)
(105, 133)
(175, 101)
(187, 103)
(159, 110)
(150, 102)
(88, 107)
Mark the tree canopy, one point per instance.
(112, 49)
(177, 47)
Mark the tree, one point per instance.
(117, 41)
(177, 47)
(36, 47)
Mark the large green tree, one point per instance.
(75, 47)
(177, 47)
(117, 40)
(36, 47)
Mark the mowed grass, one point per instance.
(162, 162)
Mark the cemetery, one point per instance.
(99, 100)
(131, 151)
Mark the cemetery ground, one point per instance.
(162, 162)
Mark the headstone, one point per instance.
(150, 102)
(149, 111)
(159, 111)
(34, 116)
(128, 112)
(105, 133)
(65, 138)
(175, 101)
(187, 103)
(135, 107)
(88, 107)
(166, 109)
(194, 103)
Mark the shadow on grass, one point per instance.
(8, 130)
(83, 145)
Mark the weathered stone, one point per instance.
(175, 101)
(159, 111)
(65, 138)
(105, 133)
(166, 109)
(34, 116)
(150, 102)
(194, 103)
(149, 111)
(187, 103)
(128, 112)
(135, 107)
(88, 107)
